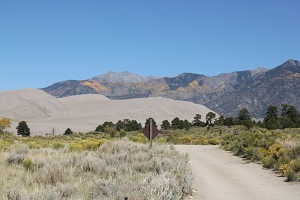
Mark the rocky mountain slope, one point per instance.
(225, 93)
(274, 87)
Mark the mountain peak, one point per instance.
(290, 66)
(291, 62)
(121, 77)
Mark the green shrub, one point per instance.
(140, 138)
(186, 139)
(269, 161)
(258, 154)
(28, 164)
(214, 141)
(160, 140)
(293, 170)
(203, 141)
(57, 145)
(4, 145)
(85, 144)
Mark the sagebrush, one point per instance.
(112, 171)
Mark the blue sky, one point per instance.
(43, 42)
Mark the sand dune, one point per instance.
(83, 113)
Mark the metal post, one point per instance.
(151, 124)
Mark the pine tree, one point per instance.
(68, 132)
(244, 118)
(23, 129)
(165, 124)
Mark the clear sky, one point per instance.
(43, 42)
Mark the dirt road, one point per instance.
(218, 175)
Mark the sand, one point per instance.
(84, 113)
(218, 175)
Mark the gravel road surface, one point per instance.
(218, 175)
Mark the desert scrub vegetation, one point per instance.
(91, 140)
(277, 149)
(113, 170)
(195, 135)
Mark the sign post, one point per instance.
(150, 132)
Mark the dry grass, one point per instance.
(113, 171)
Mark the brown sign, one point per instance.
(146, 131)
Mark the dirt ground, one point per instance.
(220, 175)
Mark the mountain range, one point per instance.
(226, 93)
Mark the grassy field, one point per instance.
(111, 166)
(115, 170)
(99, 165)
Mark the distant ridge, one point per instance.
(123, 77)
(225, 93)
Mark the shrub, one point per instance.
(59, 191)
(293, 170)
(112, 171)
(14, 158)
(57, 145)
(283, 169)
(201, 140)
(4, 145)
(214, 141)
(90, 163)
(86, 144)
(140, 138)
(186, 139)
(52, 173)
(258, 154)
(160, 140)
(14, 194)
(269, 161)
(28, 164)
(149, 174)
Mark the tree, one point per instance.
(197, 120)
(229, 121)
(271, 114)
(210, 116)
(289, 116)
(23, 129)
(101, 128)
(148, 122)
(244, 118)
(186, 124)
(220, 120)
(286, 122)
(128, 125)
(68, 132)
(176, 123)
(165, 124)
(4, 124)
(271, 120)
(243, 115)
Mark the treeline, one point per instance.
(177, 123)
(288, 117)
